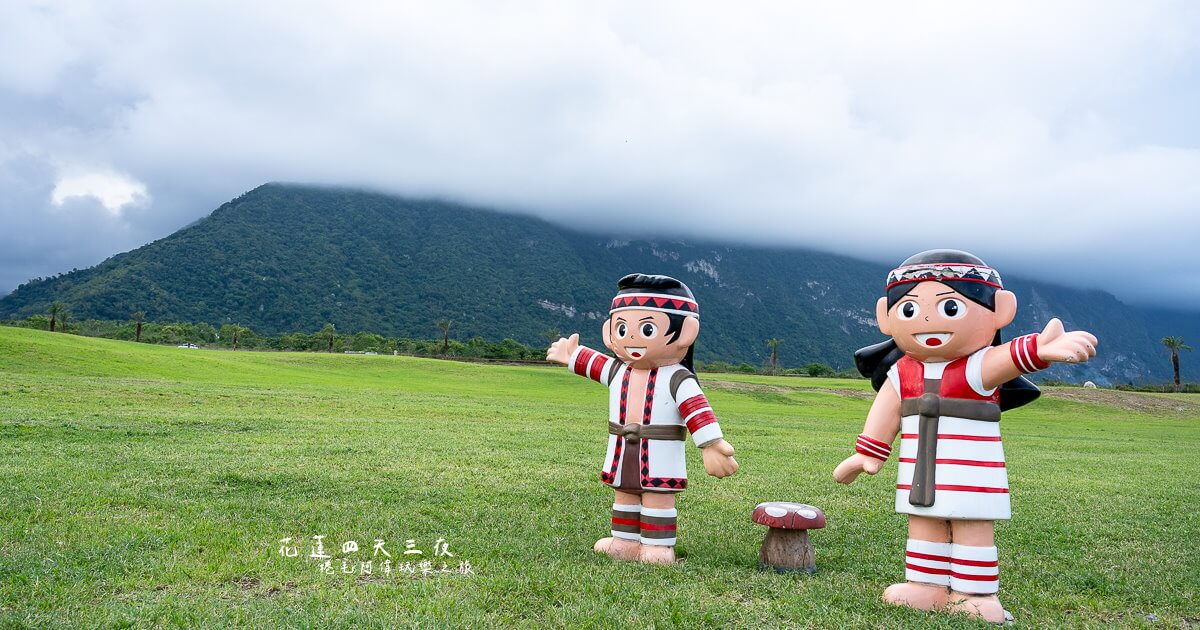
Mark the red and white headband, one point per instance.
(942, 272)
(662, 302)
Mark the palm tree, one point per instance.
(552, 335)
(1175, 345)
(774, 345)
(237, 330)
(138, 318)
(57, 309)
(330, 331)
(444, 325)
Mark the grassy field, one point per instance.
(150, 486)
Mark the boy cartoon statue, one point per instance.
(654, 401)
(943, 378)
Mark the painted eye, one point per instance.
(649, 330)
(622, 330)
(908, 310)
(952, 308)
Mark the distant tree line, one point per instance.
(811, 369)
(328, 339)
(237, 337)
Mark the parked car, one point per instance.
(189, 345)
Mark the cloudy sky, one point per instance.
(1052, 138)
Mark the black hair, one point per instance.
(874, 361)
(666, 285)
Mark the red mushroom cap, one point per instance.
(786, 515)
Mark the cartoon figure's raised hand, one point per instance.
(718, 459)
(853, 466)
(560, 351)
(1056, 345)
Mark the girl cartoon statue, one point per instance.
(654, 401)
(943, 378)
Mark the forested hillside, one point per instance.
(285, 257)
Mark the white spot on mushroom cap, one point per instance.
(807, 513)
(774, 511)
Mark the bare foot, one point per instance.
(618, 548)
(657, 554)
(917, 595)
(986, 607)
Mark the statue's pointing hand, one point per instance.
(560, 351)
(1057, 346)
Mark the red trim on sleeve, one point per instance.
(598, 367)
(581, 361)
(701, 420)
(869, 446)
(1024, 353)
(692, 405)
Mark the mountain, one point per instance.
(284, 257)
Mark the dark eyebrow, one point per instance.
(645, 318)
(913, 295)
(620, 319)
(943, 293)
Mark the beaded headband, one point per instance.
(944, 272)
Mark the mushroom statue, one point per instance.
(787, 547)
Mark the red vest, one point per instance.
(953, 383)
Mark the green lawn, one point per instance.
(150, 486)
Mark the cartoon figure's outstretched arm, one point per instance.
(874, 444)
(701, 422)
(1030, 353)
(582, 360)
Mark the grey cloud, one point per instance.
(1039, 136)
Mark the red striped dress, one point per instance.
(971, 477)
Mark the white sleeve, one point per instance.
(893, 375)
(687, 389)
(975, 373)
(697, 413)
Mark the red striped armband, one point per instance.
(696, 413)
(869, 446)
(1024, 351)
(590, 363)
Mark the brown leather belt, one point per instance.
(634, 432)
(934, 406)
(931, 407)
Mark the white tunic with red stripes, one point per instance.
(663, 465)
(971, 477)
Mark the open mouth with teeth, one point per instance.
(636, 353)
(933, 340)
